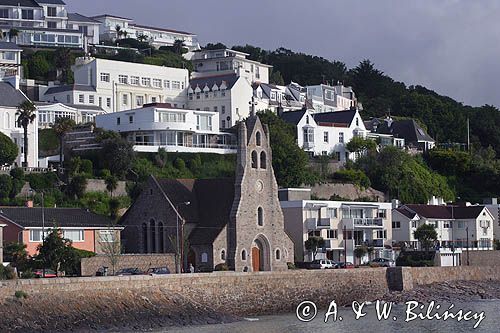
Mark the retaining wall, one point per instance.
(142, 261)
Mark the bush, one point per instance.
(221, 267)
(356, 177)
(5, 186)
(7, 273)
(17, 173)
(86, 167)
(291, 265)
(8, 150)
(20, 294)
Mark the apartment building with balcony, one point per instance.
(161, 125)
(343, 225)
(10, 59)
(227, 62)
(116, 85)
(326, 133)
(458, 227)
(157, 37)
(45, 23)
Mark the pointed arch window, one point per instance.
(244, 255)
(152, 227)
(263, 160)
(258, 139)
(161, 238)
(278, 254)
(144, 238)
(260, 216)
(254, 160)
(223, 255)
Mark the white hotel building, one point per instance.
(116, 86)
(176, 130)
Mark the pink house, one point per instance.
(87, 231)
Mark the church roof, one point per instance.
(210, 205)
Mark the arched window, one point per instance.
(260, 216)
(307, 120)
(204, 257)
(161, 238)
(258, 139)
(244, 255)
(152, 227)
(263, 161)
(254, 160)
(278, 254)
(223, 255)
(144, 238)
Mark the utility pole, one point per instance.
(43, 229)
(467, 235)
(345, 246)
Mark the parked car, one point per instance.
(345, 265)
(48, 273)
(382, 262)
(158, 271)
(129, 271)
(322, 264)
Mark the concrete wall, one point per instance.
(141, 261)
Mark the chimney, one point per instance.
(29, 203)
(395, 203)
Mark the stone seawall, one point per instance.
(141, 261)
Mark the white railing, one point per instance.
(368, 222)
(7, 169)
(185, 144)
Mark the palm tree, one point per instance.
(178, 46)
(111, 184)
(13, 33)
(124, 33)
(61, 127)
(119, 31)
(26, 114)
(142, 38)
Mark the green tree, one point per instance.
(5, 186)
(54, 250)
(313, 244)
(276, 78)
(217, 46)
(178, 46)
(16, 254)
(111, 184)
(26, 114)
(77, 186)
(63, 62)
(38, 67)
(360, 252)
(290, 163)
(118, 155)
(359, 145)
(426, 235)
(8, 150)
(62, 126)
(119, 31)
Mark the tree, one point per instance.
(359, 145)
(118, 155)
(53, 251)
(125, 34)
(111, 246)
(217, 46)
(8, 150)
(360, 252)
(5, 186)
(290, 163)
(111, 184)
(313, 244)
(62, 126)
(62, 57)
(77, 186)
(26, 114)
(426, 235)
(119, 31)
(13, 33)
(178, 46)
(276, 78)
(16, 254)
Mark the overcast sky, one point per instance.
(450, 46)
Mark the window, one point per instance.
(123, 79)
(278, 254)
(134, 80)
(314, 233)
(215, 109)
(166, 83)
(108, 102)
(263, 161)
(331, 213)
(204, 257)
(223, 255)
(52, 25)
(223, 124)
(332, 234)
(52, 11)
(357, 122)
(460, 224)
(153, 99)
(176, 85)
(118, 121)
(74, 235)
(81, 99)
(396, 225)
(157, 83)
(413, 224)
(27, 14)
(105, 77)
(171, 117)
(446, 224)
(4, 13)
(146, 82)
(223, 109)
(260, 217)
(139, 100)
(257, 139)
(223, 93)
(308, 135)
(190, 96)
(325, 137)
(131, 119)
(36, 235)
(198, 95)
(244, 255)
(341, 137)
(125, 99)
(254, 160)
(381, 234)
(203, 123)
(206, 94)
(382, 213)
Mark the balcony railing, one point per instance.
(185, 144)
(315, 223)
(368, 222)
(370, 243)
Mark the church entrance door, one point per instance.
(255, 259)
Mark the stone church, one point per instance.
(233, 221)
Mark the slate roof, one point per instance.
(443, 212)
(59, 89)
(337, 117)
(407, 129)
(23, 3)
(62, 217)
(209, 81)
(9, 46)
(210, 208)
(9, 96)
(76, 17)
(293, 117)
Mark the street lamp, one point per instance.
(179, 242)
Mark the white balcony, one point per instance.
(152, 147)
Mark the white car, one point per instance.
(322, 264)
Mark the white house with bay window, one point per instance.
(326, 133)
(81, 114)
(343, 225)
(160, 125)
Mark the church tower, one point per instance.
(256, 233)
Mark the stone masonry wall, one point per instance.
(141, 261)
(482, 258)
(99, 185)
